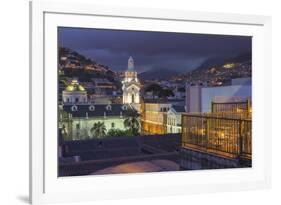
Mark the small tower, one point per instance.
(74, 93)
(131, 85)
(130, 64)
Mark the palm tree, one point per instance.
(98, 130)
(132, 121)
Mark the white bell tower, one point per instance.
(131, 85)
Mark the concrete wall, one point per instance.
(209, 93)
(193, 98)
(195, 160)
(199, 98)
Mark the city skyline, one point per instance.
(133, 121)
(180, 52)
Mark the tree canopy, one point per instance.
(158, 91)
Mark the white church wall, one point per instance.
(85, 126)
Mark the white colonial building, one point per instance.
(74, 93)
(131, 85)
(79, 119)
(174, 119)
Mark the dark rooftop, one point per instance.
(98, 110)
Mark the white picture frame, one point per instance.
(46, 187)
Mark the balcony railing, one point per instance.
(218, 107)
(227, 134)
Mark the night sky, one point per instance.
(180, 52)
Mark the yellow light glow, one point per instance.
(69, 88)
(238, 110)
(229, 65)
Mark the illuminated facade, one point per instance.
(77, 121)
(174, 119)
(74, 93)
(154, 118)
(131, 85)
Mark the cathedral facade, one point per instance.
(131, 85)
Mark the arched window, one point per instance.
(91, 107)
(108, 107)
(133, 98)
(124, 107)
(74, 108)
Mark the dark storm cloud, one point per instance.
(151, 50)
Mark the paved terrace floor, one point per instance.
(140, 167)
(121, 155)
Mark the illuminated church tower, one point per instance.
(131, 85)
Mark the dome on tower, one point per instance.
(74, 86)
